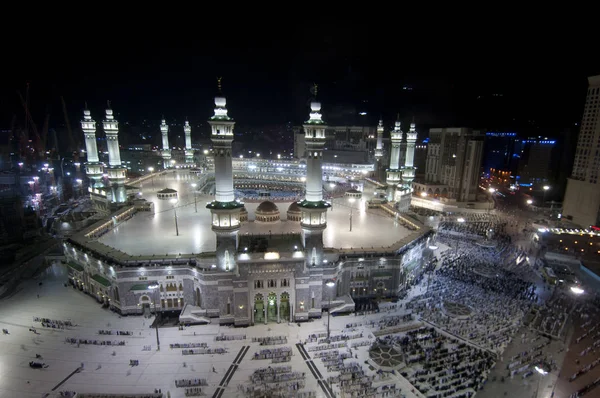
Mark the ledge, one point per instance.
(101, 280)
(224, 205)
(75, 266)
(314, 205)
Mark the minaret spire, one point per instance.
(93, 167)
(225, 210)
(166, 150)
(189, 152)
(116, 172)
(313, 207)
(379, 147)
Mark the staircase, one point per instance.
(193, 315)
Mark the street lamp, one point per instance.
(155, 289)
(194, 185)
(546, 188)
(351, 200)
(329, 284)
(151, 170)
(174, 202)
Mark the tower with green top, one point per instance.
(225, 210)
(313, 207)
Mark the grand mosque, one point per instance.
(166, 246)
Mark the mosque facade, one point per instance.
(262, 271)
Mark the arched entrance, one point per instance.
(198, 298)
(272, 307)
(285, 307)
(259, 308)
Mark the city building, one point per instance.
(453, 164)
(538, 162)
(499, 151)
(421, 159)
(582, 198)
(251, 271)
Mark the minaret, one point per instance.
(189, 152)
(166, 151)
(225, 210)
(116, 172)
(394, 174)
(379, 147)
(408, 174)
(314, 208)
(93, 167)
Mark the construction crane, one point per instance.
(73, 147)
(39, 142)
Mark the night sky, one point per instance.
(268, 67)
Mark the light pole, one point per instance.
(151, 170)
(491, 190)
(351, 200)
(155, 289)
(174, 202)
(546, 188)
(194, 185)
(432, 247)
(329, 284)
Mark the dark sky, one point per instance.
(268, 66)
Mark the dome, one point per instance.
(267, 211)
(294, 208)
(315, 106)
(267, 207)
(220, 101)
(294, 213)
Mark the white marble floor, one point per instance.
(155, 233)
(107, 373)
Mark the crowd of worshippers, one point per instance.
(224, 337)
(551, 317)
(190, 383)
(72, 340)
(276, 381)
(525, 361)
(116, 332)
(276, 355)
(204, 351)
(193, 392)
(95, 395)
(53, 323)
(188, 345)
(439, 366)
(273, 340)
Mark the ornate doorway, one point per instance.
(272, 307)
(285, 307)
(259, 308)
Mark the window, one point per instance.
(143, 278)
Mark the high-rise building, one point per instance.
(453, 160)
(538, 160)
(499, 150)
(582, 199)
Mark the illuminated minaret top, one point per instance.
(189, 153)
(166, 151)
(111, 128)
(396, 141)
(379, 147)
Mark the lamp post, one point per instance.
(151, 170)
(174, 202)
(432, 247)
(351, 200)
(155, 289)
(329, 284)
(546, 188)
(194, 185)
(490, 201)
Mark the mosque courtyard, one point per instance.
(148, 233)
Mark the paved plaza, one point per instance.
(147, 233)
